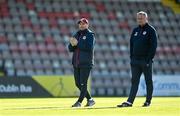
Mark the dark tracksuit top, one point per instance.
(83, 53)
(143, 44)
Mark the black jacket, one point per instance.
(143, 43)
(83, 53)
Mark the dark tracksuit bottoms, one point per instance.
(81, 76)
(137, 70)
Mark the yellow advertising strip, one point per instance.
(58, 86)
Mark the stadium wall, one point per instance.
(38, 86)
(164, 85)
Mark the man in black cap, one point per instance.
(82, 46)
(143, 44)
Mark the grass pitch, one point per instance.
(161, 106)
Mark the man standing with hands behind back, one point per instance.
(82, 46)
(143, 44)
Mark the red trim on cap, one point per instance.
(84, 20)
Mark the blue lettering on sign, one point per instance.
(166, 86)
(161, 86)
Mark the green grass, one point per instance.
(161, 106)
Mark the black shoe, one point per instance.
(77, 104)
(90, 103)
(146, 104)
(125, 104)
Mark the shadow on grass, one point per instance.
(60, 108)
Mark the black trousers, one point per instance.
(81, 76)
(137, 70)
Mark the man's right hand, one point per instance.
(73, 41)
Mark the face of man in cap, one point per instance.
(83, 24)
